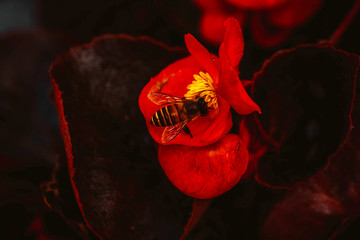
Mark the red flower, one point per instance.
(271, 20)
(205, 172)
(202, 81)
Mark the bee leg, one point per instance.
(187, 130)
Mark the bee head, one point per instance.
(202, 105)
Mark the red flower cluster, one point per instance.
(194, 94)
(271, 20)
(201, 75)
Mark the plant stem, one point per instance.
(337, 34)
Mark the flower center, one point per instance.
(203, 87)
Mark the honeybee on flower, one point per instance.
(195, 93)
(197, 102)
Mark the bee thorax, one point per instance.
(191, 108)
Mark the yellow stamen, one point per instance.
(203, 86)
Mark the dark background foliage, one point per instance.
(32, 158)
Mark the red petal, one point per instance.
(265, 34)
(205, 130)
(209, 4)
(257, 4)
(211, 23)
(233, 41)
(212, 27)
(294, 13)
(205, 172)
(202, 56)
(231, 88)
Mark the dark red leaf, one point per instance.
(50, 226)
(59, 197)
(306, 96)
(256, 141)
(166, 21)
(28, 122)
(320, 206)
(28, 125)
(351, 229)
(119, 186)
(237, 214)
(199, 208)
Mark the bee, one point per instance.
(176, 114)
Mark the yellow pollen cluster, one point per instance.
(203, 87)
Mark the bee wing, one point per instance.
(162, 98)
(171, 132)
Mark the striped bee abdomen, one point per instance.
(167, 116)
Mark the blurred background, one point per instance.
(32, 34)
